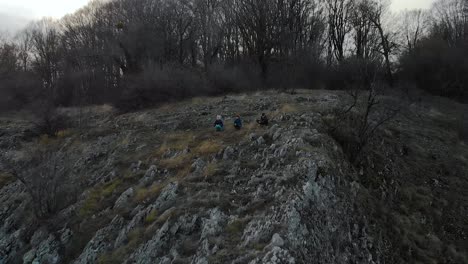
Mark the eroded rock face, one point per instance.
(100, 242)
(278, 194)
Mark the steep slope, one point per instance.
(160, 186)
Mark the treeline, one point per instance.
(135, 53)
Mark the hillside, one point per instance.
(160, 186)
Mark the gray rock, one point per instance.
(260, 141)
(66, 236)
(198, 165)
(149, 176)
(47, 252)
(258, 229)
(213, 225)
(99, 243)
(253, 136)
(278, 256)
(124, 198)
(228, 153)
(167, 197)
(276, 241)
(29, 256)
(123, 233)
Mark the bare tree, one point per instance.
(413, 27)
(355, 126)
(375, 12)
(365, 34)
(339, 25)
(451, 18)
(46, 44)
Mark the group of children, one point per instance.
(219, 124)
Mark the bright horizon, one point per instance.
(16, 14)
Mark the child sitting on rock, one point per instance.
(263, 121)
(237, 122)
(218, 124)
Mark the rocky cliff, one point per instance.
(160, 186)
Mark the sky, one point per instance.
(15, 14)
(398, 5)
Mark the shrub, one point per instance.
(303, 71)
(355, 73)
(437, 68)
(355, 127)
(155, 85)
(226, 79)
(47, 178)
(49, 121)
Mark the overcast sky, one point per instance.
(14, 14)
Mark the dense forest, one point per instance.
(137, 53)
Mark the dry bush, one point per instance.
(355, 126)
(154, 86)
(46, 176)
(226, 79)
(438, 68)
(48, 120)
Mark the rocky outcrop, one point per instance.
(153, 189)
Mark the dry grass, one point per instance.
(135, 237)
(109, 189)
(151, 217)
(288, 109)
(177, 141)
(93, 202)
(45, 140)
(211, 169)
(178, 162)
(236, 227)
(64, 133)
(207, 147)
(5, 179)
(153, 191)
(169, 213)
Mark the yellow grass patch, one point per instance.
(109, 189)
(208, 147)
(177, 141)
(92, 203)
(177, 162)
(148, 193)
(288, 108)
(64, 133)
(151, 217)
(211, 169)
